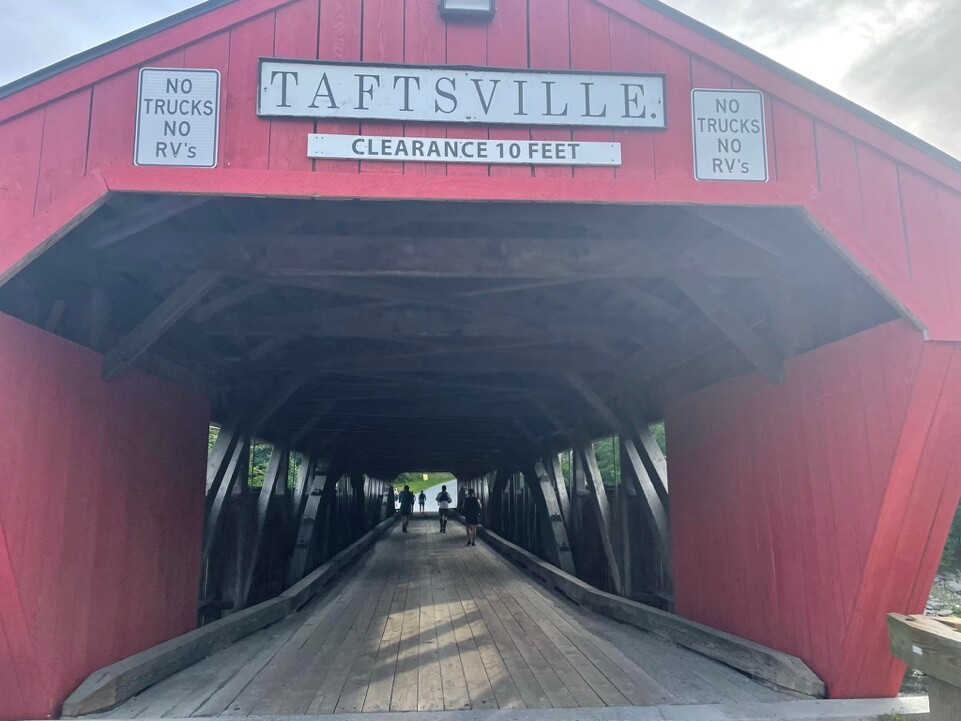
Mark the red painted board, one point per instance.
(340, 38)
(673, 147)
(296, 34)
(63, 155)
(245, 142)
(20, 144)
(466, 45)
(383, 44)
(507, 48)
(123, 459)
(590, 28)
(631, 52)
(794, 147)
(549, 38)
(425, 43)
(828, 535)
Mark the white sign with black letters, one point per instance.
(454, 150)
(305, 89)
(177, 117)
(730, 141)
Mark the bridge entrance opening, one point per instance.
(441, 335)
(497, 341)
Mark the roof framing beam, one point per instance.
(301, 257)
(764, 356)
(139, 340)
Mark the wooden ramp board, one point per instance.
(903, 709)
(425, 623)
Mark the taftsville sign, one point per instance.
(304, 89)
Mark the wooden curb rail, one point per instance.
(114, 684)
(759, 662)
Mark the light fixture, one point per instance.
(467, 9)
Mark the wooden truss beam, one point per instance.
(743, 223)
(655, 510)
(496, 496)
(601, 508)
(321, 491)
(423, 323)
(225, 301)
(305, 478)
(146, 217)
(221, 454)
(239, 461)
(555, 472)
(159, 321)
(275, 476)
(300, 257)
(654, 461)
(544, 494)
(276, 402)
(764, 356)
(594, 400)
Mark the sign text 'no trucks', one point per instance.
(177, 117)
(730, 141)
(291, 88)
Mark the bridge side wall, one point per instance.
(101, 505)
(802, 513)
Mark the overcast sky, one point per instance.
(900, 58)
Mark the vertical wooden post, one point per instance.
(215, 515)
(276, 473)
(654, 461)
(495, 511)
(601, 509)
(318, 499)
(555, 472)
(221, 455)
(543, 493)
(624, 501)
(654, 510)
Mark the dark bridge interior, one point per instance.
(400, 335)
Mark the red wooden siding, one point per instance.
(101, 509)
(753, 451)
(821, 504)
(858, 175)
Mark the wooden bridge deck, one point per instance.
(424, 623)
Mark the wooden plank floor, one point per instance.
(425, 623)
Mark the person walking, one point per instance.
(407, 501)
(443, 507)
(422, 499)
(472, 510)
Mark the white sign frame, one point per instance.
(347, 91)
(480, 151)
(758, 151)
(176, 162)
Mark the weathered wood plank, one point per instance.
(774, 667)
(117, 682)
(545, 493)
(276, 474)
(159, 321)
(601, 509)
(764, 356)
(654, 509)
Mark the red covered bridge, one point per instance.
(626, 218)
